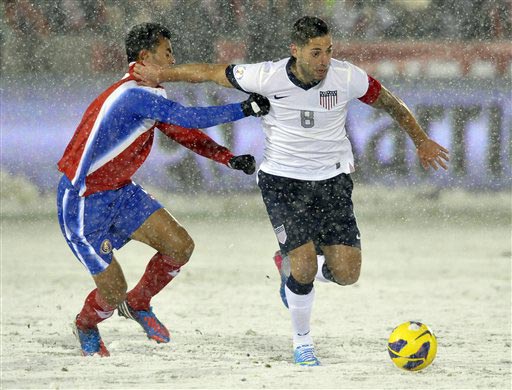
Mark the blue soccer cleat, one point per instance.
(154, 329)
(283, 266)
(304, 355)
(90, 341)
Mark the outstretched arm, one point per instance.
(149, 105)
(430, 153)
(151, 74)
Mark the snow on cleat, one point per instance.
(90, 341)
(154, 329)
(304, 355)
(283, 266)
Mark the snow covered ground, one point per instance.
(440, 258)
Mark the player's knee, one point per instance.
(305, 273)
(346, 277)
(304, 263)
(348, 274)
(180, 247)
(187, 250)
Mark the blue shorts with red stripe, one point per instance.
(95, 225)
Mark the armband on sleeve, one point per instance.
(373, 92)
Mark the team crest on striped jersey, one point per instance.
(328, 99)
(106, 247)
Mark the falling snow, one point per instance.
(436, 246)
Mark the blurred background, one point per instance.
(451, 61)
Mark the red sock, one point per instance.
(94, 311)
(159, 272)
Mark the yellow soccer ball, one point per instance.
(412, 346)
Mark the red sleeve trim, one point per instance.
(373, 92)
(197, 141)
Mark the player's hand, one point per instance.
(431, 154)
(256, 105)
(148, 74)
(245, 163)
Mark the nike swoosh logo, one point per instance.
(280, 97)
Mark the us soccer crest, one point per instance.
(281, 234)
(328, 99)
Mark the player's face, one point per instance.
(313, 59)
(162, 54)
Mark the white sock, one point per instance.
(319, 274)
(300, 310)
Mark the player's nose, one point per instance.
(325, 59)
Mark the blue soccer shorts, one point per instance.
(95, 225)
(302, 210)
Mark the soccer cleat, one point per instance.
(90, 341)
(283, 266)
(304, 355)
(154, 329)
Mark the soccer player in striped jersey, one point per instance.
(305, 174)
(100, 208)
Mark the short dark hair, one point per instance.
(144, 36)
(308, 27)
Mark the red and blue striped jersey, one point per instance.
(116, 134)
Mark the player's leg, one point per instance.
(174, 247)
(282, 262)
(100, 303)
(300, 295)
(84, 223)
(150, 223)
(299, 298)
(339, 241)
(288, 204)
(320, 277)
(98, 306)
(342, 264)
(164, 233)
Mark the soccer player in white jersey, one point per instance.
(305, 174)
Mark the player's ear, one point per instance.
(143, 54)
(293, 50)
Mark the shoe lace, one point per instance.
(306, 354)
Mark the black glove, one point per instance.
(256, 105)
(244, 163)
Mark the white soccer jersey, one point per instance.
(305, 136)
